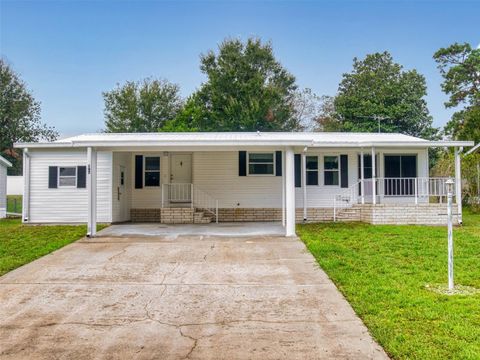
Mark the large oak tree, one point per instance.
(247, 89)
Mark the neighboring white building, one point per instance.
(14, 185)
(196, 177)
(4, 164)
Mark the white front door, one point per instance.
(180, 177)
(121, 195)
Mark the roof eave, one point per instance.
(267, 142)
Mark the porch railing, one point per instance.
(414, 189)
(191, 195)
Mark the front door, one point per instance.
(180, 177)
(121, 196)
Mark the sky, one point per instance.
(69, 52)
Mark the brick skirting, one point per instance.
(421, 214)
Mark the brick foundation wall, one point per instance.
(177, 216)
(421, 214)
(145, 215)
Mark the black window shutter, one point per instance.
(298, 170)
(278, 163)
(52, 177)
(138, 171)
(344, 171)
(242, 163)
(81, 177)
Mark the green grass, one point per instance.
(21, 244)
(383, 271)
(14, 203)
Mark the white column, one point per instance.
(374, 189)
(26, 186)
(92, 191)
(362, 175)
(458, 183)
(304, 184)
(289, 192)
(283, 188)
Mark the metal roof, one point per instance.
(310, 139)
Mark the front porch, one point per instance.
(287, 186)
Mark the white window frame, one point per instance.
(69, 176)
(338, 170)
(159, 170)
(312, 170)
(261, 152)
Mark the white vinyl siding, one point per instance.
(217, 174)
(67, 204)
(3, 191)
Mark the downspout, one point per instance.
(26, 186)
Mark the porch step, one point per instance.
(348, 214)
(199, 217)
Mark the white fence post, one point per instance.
(416, 191)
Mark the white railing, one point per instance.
(409, 188)
(177, 193)
(186, 193)
(416, 188)
(204, 201)
(346, 198)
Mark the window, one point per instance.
(331, 170)
(67, 176)
(400, 171)
(261, 164)
(400, 166)
(367, 166)
(312, 170)
(152, 171)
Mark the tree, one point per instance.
(459, 65)
(327, 118)
(378, 89)
(143, 106)
(307, 107)
(247, 89)
(19, 117)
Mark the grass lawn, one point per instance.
(383, 271)
(21, 244)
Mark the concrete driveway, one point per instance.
(196, 297)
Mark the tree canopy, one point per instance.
(143, 106)
(19, 116)
(246, 89)
(459, 65)
(378, 89)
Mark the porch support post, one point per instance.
(374, 178)
(26, 186)
(458, 183)
(283, 188)
(304, 184)
(92, 191)
(289, 193)
(362, 176)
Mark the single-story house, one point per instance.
(228, 177)
(4, 164)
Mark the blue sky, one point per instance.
(68, 52)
